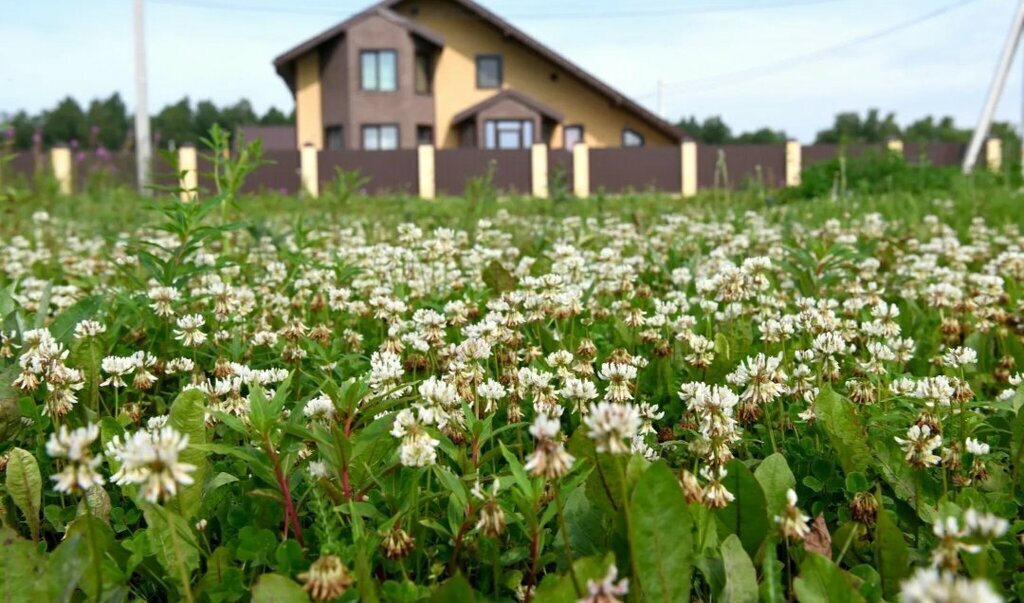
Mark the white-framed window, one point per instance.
(380, 137)
(508, 134)
(571, 136)
(379, 70)
(632, 138)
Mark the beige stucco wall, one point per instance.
(308, 109)
(524, 71)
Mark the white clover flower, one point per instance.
(189, 331)
(618, 376)
(89, 328)
(793, 521)
(960, 357)
(977, 448)
(321, 409)
(610, 424)
(607, 589)
(150, 459)
(931, 585)
(920, 445)
(117, 367)
(79, 473)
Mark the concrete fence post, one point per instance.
(581, 170)
(309, 170)
(426, 171)
(539, 170)
(894, 145)
(994, 154)
(794, 162)
(188, 172)
(688, 161)
(60, 163)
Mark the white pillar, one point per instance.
(895, 145)
(581, 170)
(994, 154)
(310, 170)
(794, 162)
(188, 169)
(539, 170)
(688, 159)
(426, 171)
(60, 162)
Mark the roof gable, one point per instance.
(615, 97)
(513, 96)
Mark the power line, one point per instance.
(751, 73)
(546, 16)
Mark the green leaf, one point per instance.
(661, 536)
(559, 588)
(63, 326)
(839, 419)
(25, 487)
(892, 557)
(776, 479)
(821, 581)
(173, 542)
(740, 576)
(454, 589)
(188, 415)
(22, 568)
(747, 515)
(275, 588)
(498, 278)
(771, 572)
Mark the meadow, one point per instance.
(738, 397)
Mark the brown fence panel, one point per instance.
(935, 153)
(102, 169)
(616, 170)
(763, 164)
(22, 168)
(560, 162)
(512, 170)
(280, 174)
(388, 171)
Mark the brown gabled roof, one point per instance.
(614, 96)
(512, 95)
(284, 66)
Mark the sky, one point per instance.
(786, 64)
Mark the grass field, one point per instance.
(736, 397)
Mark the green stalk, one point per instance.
(565, 542)
(621, 465)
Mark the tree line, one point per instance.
(107, 124)
(849, 128)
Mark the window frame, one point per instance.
(525, 128)
(420, 128)
(639, 136)
(379, 127)
(332, 129)
(501, 70)
(565, 133)
(377, 53)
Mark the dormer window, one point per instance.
(379, 70)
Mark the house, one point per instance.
(451, 73)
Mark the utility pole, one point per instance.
(996, 89)
(143, 148)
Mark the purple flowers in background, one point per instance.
(9, 133)
(103, 153)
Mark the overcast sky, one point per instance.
(780, 63)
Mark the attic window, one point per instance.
(489, 71)
(632, 138)
(379, 70)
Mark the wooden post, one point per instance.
(688, 159)
(894, 145)
(539, 170)
(994, 154)
(794, 162)
(60, 162)
(309, 170)
(426, 171)
(581, 170)
(188, 169)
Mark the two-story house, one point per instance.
(451, 73)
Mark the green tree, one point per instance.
(206, 115)
(175, 124)
(64, 124)
(274, 117)
(762, 136)
(848, 128)
(108, 122)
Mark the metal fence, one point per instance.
(612, 170)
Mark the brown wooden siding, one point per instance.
(560, 160)
(280, 174)
(935, 153)
(456, 166)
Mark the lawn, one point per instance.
(737, 397)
